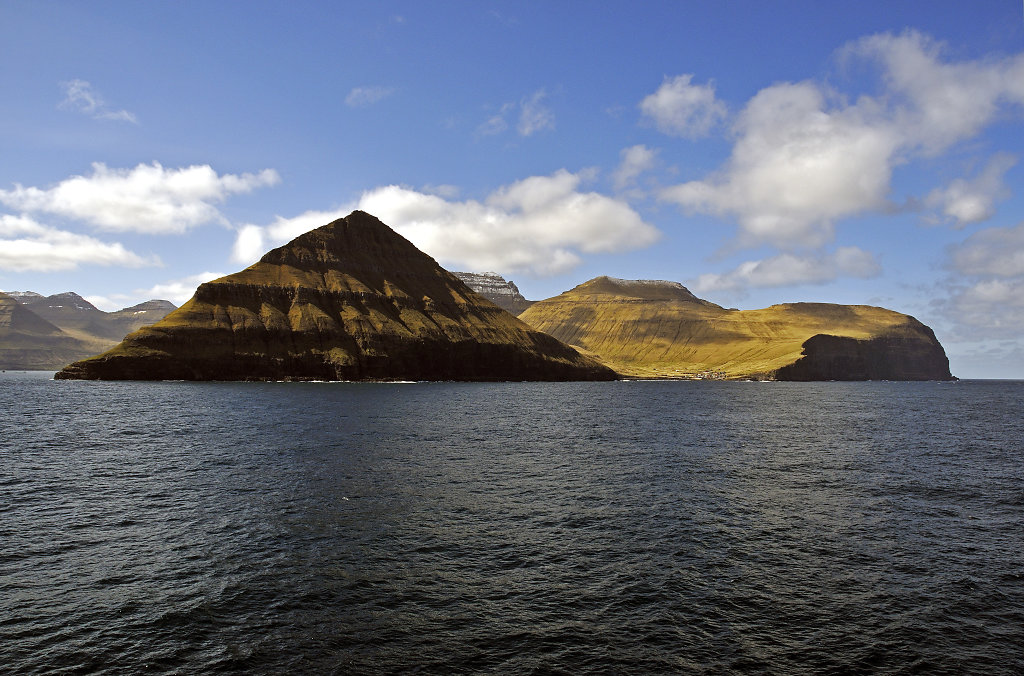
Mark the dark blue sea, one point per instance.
(442, 528)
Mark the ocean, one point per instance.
(511, 528)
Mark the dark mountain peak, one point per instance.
(351, 300)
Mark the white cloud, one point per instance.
(146, 199)
(365, 96)
(796, 168)
(939, 104)
(995, 252)
(800, 164)
(966, 201)
(789, 270)
(27, 245)
(682, 109)
(178, 290)
(534, 116)
(542, 225)
(635, 161)
(81, 97)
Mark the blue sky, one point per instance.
(758, 152)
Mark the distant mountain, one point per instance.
(660, 329)
(29, 342)
(83, 328)
(496, 289)
(351, 300)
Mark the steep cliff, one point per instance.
(352, 300)
(661, 330)
(497, 289)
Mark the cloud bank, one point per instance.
(787, 269)
(542, 225)
(26, 245)
(147, 199)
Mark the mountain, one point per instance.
(83, 329)
(351, 300)
(661, 330)
(29, 342)
(77, 316)
(496, 289)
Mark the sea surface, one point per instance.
(529, 528)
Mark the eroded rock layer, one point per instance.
(661, 330)
(497, 289)
(352, 300)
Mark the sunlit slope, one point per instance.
(352, 300)
(660, 329)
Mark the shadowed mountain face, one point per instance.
(661, 330)
(352, 300)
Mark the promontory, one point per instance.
(658, 329)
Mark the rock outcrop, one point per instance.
(497, 289)
(351, 300)
(661, 330)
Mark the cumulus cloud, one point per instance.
(635, 161)
(534, 115)
(804, 159)
(80, 96)
(789, 270)
(680, 108)
(542, 225)
(938, 104)
(797, 166)
(966, 201)
(26, 245)
(365, 96)
(147, 199)
(178, 290)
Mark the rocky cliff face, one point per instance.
(351, 300)
(496, 289)
(661, 330)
